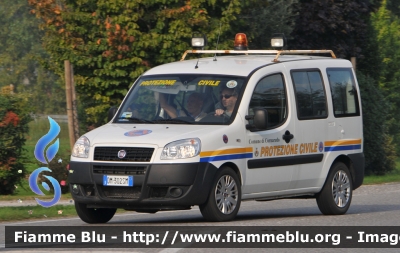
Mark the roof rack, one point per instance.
(277, 52)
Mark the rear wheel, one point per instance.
(94, 215)
(224, 200)
(335, 197)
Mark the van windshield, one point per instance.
(182, 99)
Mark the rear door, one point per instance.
(312, 125)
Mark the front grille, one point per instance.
(132, 154)
(121, 192)
(119, 170)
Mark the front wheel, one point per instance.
(335, 196)
(223, 203)
(94, 215)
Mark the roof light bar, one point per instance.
(277, 53)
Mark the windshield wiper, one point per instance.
(175, 120)
(137, 120)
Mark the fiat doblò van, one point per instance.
(246, 125)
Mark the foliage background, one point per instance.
(21, 58)
(14, 119)
(387, 26)
(379, 151)
(112, 42)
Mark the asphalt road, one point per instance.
(373, 205)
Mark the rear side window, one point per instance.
(310, 94)
(344, 93)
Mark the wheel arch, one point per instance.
(227, 205)
(348, 162)
(232, 166)
(235, 168)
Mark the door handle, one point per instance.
(287, 136)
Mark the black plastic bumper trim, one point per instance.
(359, 168)
(284, 161)
(195, 178)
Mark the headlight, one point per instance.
(181, 149)
(81, 148)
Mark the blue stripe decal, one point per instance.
(340, 148)
(226, 157)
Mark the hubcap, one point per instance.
(341, 188)
(226, 194)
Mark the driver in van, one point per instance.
(228, 100)
(194, 107)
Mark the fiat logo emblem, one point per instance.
(121, 154)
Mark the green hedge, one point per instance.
(14, 119)
(379, 149)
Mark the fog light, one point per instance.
(175, 192)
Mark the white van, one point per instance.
(251, 125)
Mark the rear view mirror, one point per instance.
(188, 88)
(259, 120)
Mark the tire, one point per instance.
(94, 215)
(335, 197)
(223, 202)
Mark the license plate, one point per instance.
(117, 180)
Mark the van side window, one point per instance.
(310, 94)
(344, 93)
(270, 94)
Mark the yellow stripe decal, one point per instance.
(342, 142)
(226, 151)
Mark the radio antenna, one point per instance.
(219, 33)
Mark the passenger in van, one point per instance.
(228, 100)
(171, 110)
(194, 107)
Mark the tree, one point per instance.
(394, 7)
(112, 42)
(261, 19)
(346, 28)
(20, 53)
(387, 27)
(332, 24)
(379, 150)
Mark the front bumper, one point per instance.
(156, 187)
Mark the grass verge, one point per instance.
(31, 196)
(18, 213)
(36, 212)
(391, 177)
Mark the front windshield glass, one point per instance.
(182, 99)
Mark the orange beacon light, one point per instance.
(240, 42)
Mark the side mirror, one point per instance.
(111, 112)
(260, 120)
